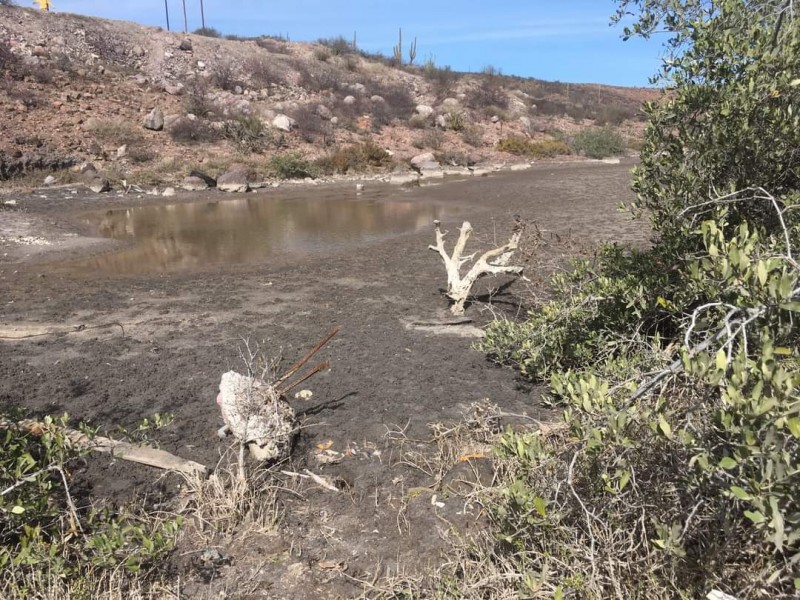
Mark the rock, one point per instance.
(122, 151)
(526, 122)
(170, 191)
(154, 121)
(421, 159)
(404, 178)
(137, 51)
(186, 45)
(209, 181)
(495, 119)
(141, 80)
(358, 88)
(450, 103)
(201, 65)
(49, 180)
(359, 187)
(283, 123)
(519, 167)
(40, 51)
(173, 90)
(99, 185)
(324, 112)
(86, 168)
(377, 99)
(469, 475)
(441, 122)
(349, 100)
(234, 180)
(334, 120)
(238, 90)
(194, 184)
(424, 110)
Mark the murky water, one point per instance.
(250, 229)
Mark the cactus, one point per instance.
(412, 51)
(398, 49)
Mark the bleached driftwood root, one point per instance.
(492, 262)
(145, 455)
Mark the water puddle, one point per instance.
(245, 230)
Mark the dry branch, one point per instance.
(491, 262)
(145, 455)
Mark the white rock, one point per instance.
(424, 110)
(49, 180)
(170, 191)
(349, 100)
(283, 123)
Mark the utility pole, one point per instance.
(185, 20)
(202, 15)
(166, 9)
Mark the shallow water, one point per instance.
(247, 230)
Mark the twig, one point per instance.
(77, 329)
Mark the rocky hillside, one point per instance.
(148, 106)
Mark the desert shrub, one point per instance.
(45, 535)
(338, 46)
(263, 72)
(549, 107)
(319, 77)
(676, 366)
(355, 158)
(7, 57)
(455, 120)
(322, 55)
(433, 139)
(398, 102)
(291, 165)
(195, 98)
(488, 92)
(418, 122)
(599, 142)
(276, 46)
(225, 76)
(140, 154)
(613, 115)
(533, 148)
(442, 79)
(310, 126)
(193, 131)
(208, 32)
(473, 136)
(247, 132)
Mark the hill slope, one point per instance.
(76, 88)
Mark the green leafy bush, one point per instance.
(44, 534)
(533, 148)
(291, 165)
(599, 143)
(677, 367)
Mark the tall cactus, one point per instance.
(398, 49)
(412, 51)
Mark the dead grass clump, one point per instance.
(225, 76)
(473, 136)
(116, 132)
(355, 158)
(195, 98)
(276, 46)
(247, 132)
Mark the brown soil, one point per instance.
(182, 331)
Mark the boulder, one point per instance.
(122, 151)
(99, 185)
(450, 103)
(173, 90)
(349, 100)
(137, 51)
(324, 112)
(49, 180)
(525, 121)
(421, 160)
(170, 191)
(154, 121)
(283, 123)
(424, 110)
(234, 180)
(193, 184)
(377, 99)
(441, 122)
(186, 45)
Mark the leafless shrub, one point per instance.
(310, 126)
(276, 46)
(431, 139)
(320, 77)
(195, 98)
(355, 158)
(140, 154)
(116, 132)
(453, 158)
(338, 46)
(443, 79)
(225, 75)
(193, 131)
(473, 136)
(398, 103)
(418, 122)
(263, 72)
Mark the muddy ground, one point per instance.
(183, 330)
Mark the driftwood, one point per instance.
(492, 262)
(145, 455)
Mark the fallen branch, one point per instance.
(492, 262)
(145, 455)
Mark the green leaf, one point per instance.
(755, 516)
(794, 426)
(721, 360)
(728, 463)
(740, 493)
(761, 271)
(540, 506)
(559, 595)
(664, 427)
(792, 306)
(624, 479)
(17, 510)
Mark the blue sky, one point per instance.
(567, 40)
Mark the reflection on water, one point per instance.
(245, 230)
